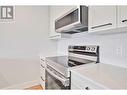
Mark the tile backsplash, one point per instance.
(113, 47)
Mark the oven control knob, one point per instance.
(92, 49)
(88, 48)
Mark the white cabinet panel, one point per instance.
(52, 33)
(102, 18)
(61, 10)
(42, 72)
(42, 83)
(78, 82)
(122, 16)
(74, 87)
(42, 62)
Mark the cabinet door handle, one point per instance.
(42, 60)
(55, 36)
(42, 79)
(42, 66)
(101, 25)
(87, 88)
(125, 20)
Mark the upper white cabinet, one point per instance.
(102, 18)
(56, 12)
(61, 10)
(52, 33)
(122, 16)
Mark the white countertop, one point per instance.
(110, 76)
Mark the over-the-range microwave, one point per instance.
(74, 21)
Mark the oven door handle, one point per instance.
(65, 81)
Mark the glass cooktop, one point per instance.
(68, 61)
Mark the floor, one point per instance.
(37, 87)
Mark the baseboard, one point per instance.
(23, 85)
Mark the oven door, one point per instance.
(55, 81)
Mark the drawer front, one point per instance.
(42, 82)
(42, 73)
(83, 83)
(42, 63)
(42, 66)
(42, 59)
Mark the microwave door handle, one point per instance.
(64, 81)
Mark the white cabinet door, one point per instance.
(56, 12)
(102, 18)
(122, 16)
(61, 10)
(52, 33)
(81, 83)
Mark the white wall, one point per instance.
(109, 45)
(21, 41)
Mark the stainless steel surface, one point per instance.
(60, 64)
(57, 75)
(58, 67)
(79, 60)
(54, 80)
(78, 55)
(62, 60)
(88, 48)
(89, 52)
(79, 23)
(82, 57)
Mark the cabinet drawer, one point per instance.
(42, 82)
(42, 73)
(84, 83)
(42, 63)
(42, 66)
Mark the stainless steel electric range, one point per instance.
(58, 75)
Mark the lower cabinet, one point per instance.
(74, 87)
(81, 83)
(42, 82)
(42, 73)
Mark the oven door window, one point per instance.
(53, 83)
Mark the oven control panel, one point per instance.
(83, 54)
(89, 48)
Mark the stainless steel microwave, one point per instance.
(74, 21)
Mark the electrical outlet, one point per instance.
(119, 51)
